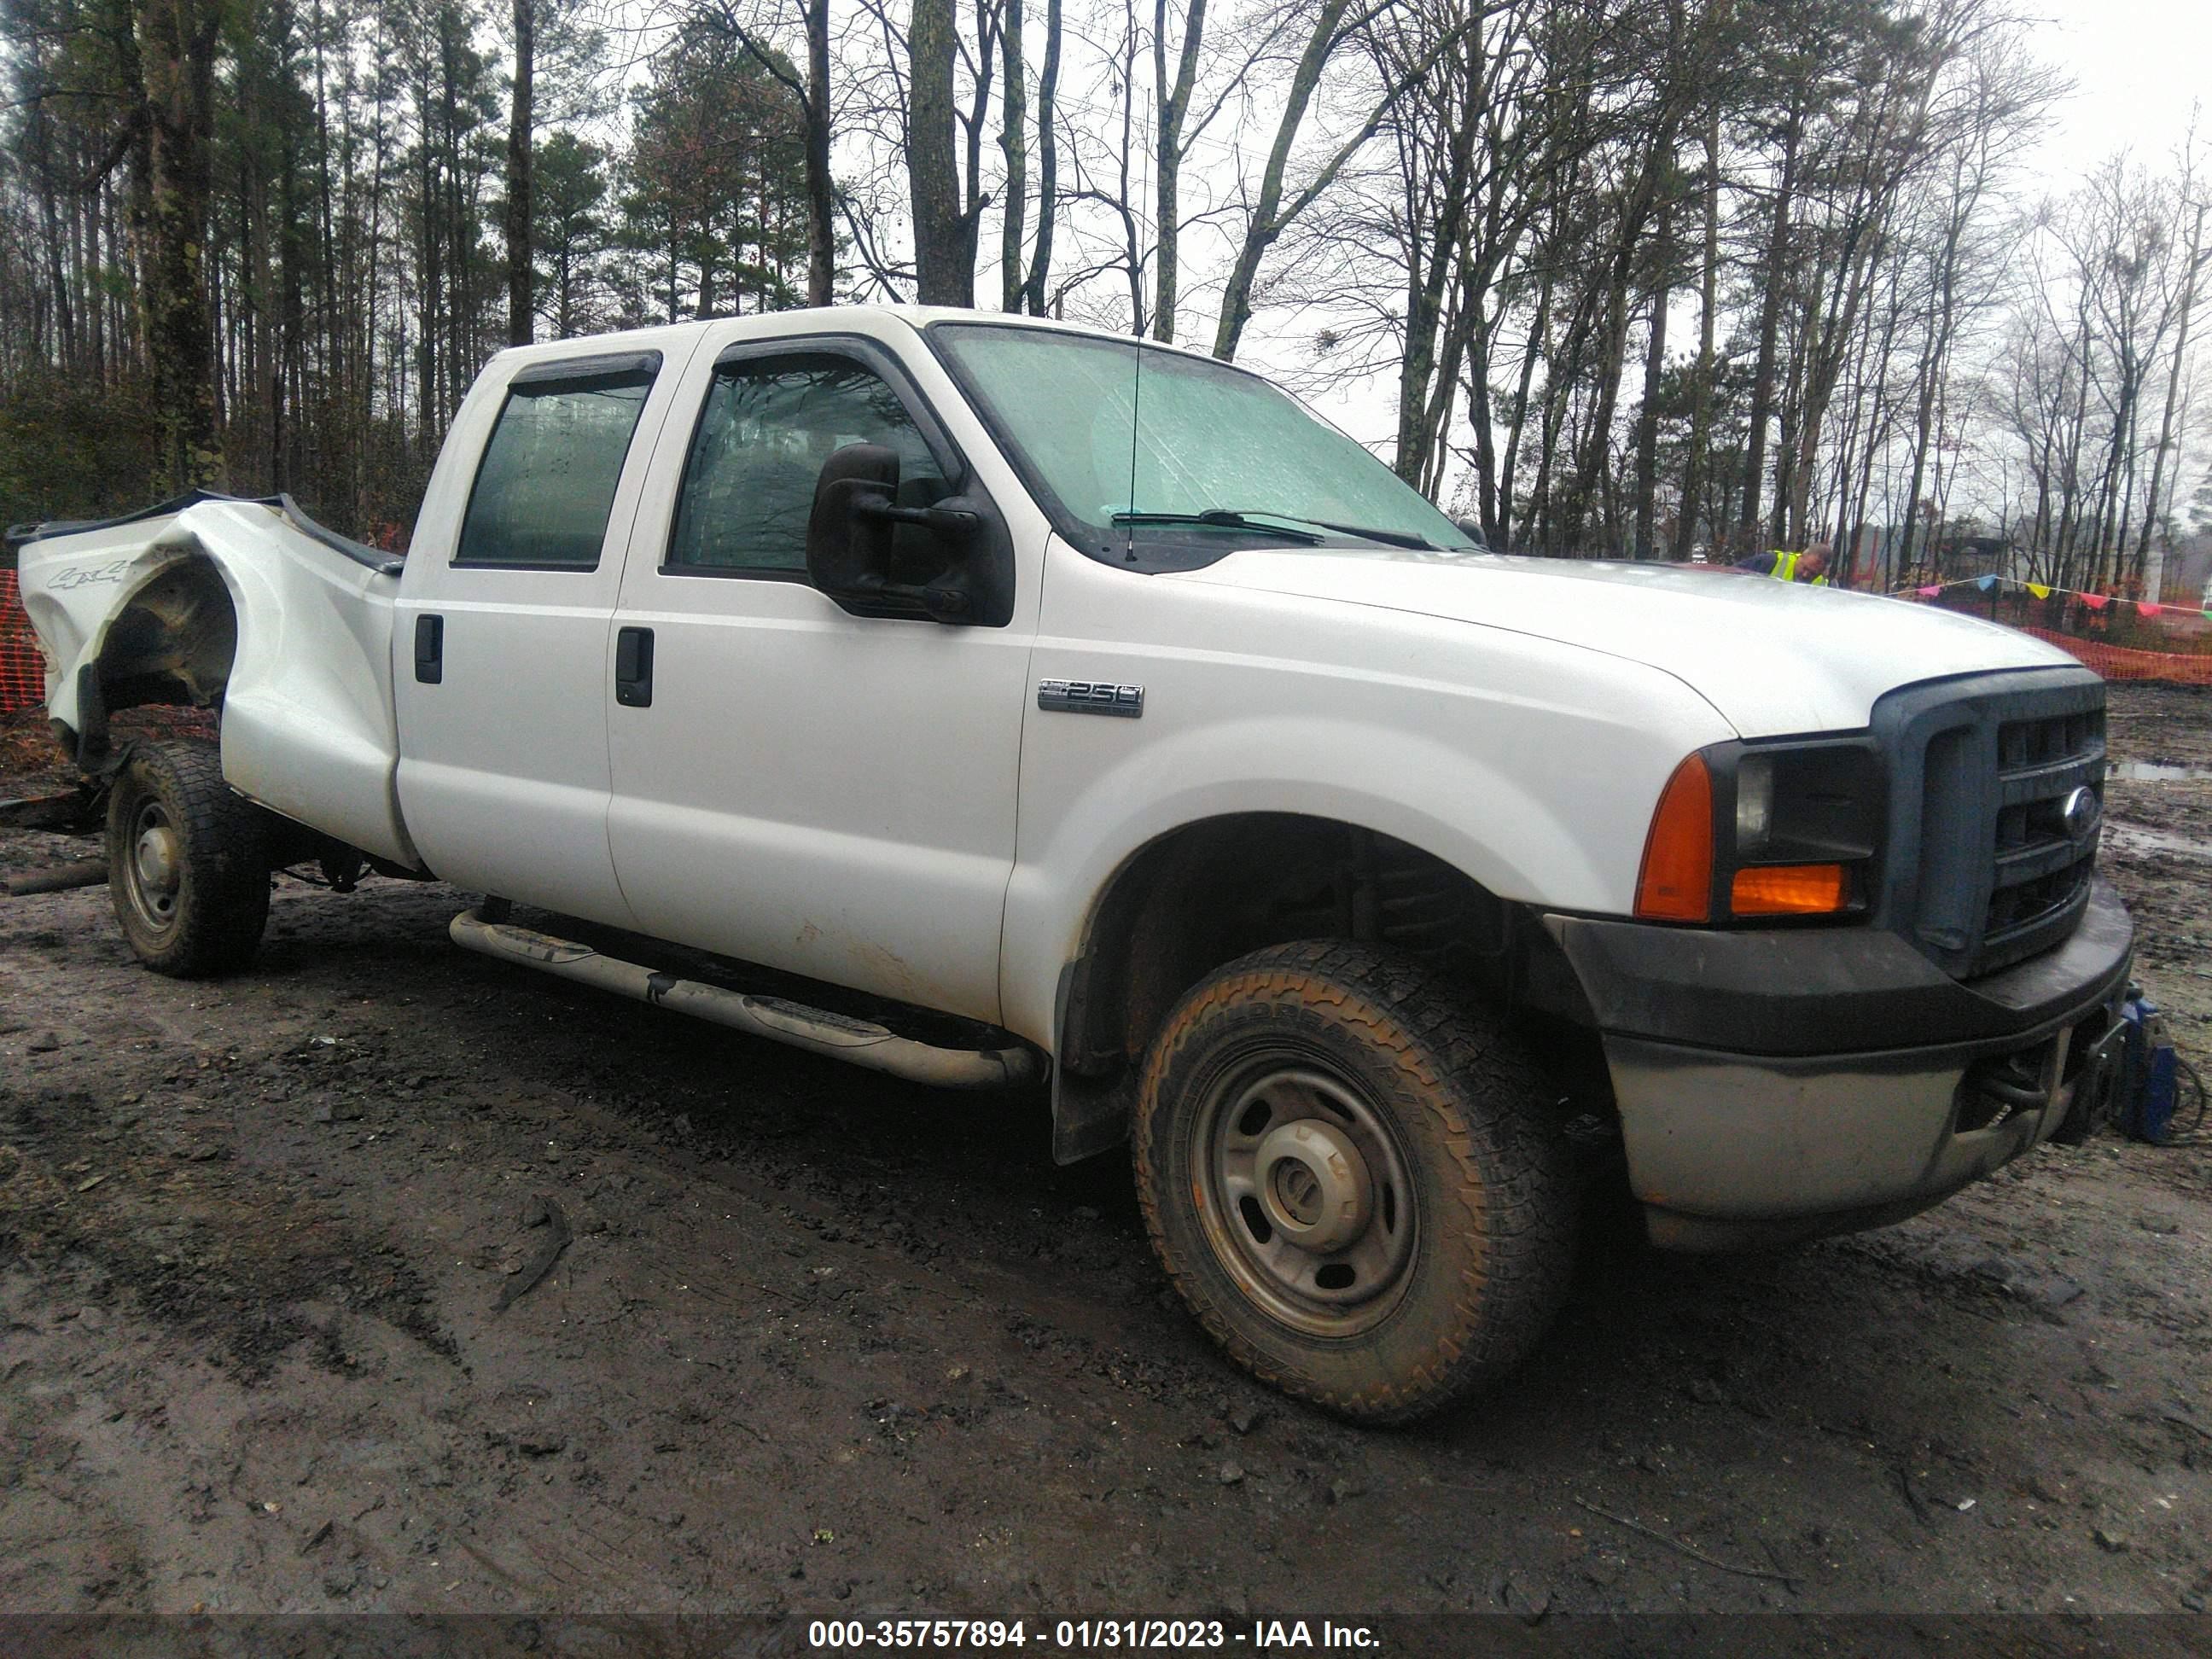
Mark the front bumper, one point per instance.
(1783, 1084)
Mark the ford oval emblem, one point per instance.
(2082, 813)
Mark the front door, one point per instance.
(826, 794)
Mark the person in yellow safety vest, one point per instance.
(1810, 567)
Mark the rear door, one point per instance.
(502, 653)
(826, 794)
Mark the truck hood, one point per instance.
(1773, 658)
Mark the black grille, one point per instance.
(1985, 870)
(2040, 878)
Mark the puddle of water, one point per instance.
(2156, 771)
(2134, 838)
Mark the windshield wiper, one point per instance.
(1243, 519)
(1221, 518)
(1365, 533)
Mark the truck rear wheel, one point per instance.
(187, 862)
(1346, 1173)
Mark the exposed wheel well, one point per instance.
(174, 642)
(1212, 891)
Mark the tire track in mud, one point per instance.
(199, 1241)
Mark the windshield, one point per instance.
(1210, 440)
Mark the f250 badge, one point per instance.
(1092, 697)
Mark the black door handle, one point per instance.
(634, 667)
(430, 649)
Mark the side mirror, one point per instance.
(1472, 529)
(845, 545)
(852, 541)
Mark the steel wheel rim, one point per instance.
(1283, 1143)
(152, 868)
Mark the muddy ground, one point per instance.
(823, 1343)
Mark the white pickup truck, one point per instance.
(830, 674)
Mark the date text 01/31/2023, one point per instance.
(1085, 1635)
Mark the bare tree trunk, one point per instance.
(2104, 570)
(2069, 499)
(1770, 319)
(1172, 104)
(1436, 419)
(983, 67)
(944, 266)
(1562, 369)
(1420, 417)
(57, 281)
(1013, 144)
(1509, 467)
(93, 206)
(1040, 270)
(1594, 447)
(176, 47)
(521, 121)
(1481, 419)
(1923, 436)
(1655, 366)
(2191, 270)
(372, 310)
(1701, 408)
(1866, 415)
(821, 192)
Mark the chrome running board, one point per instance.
(817, 1030)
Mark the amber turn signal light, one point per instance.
(1675, 883)
(1790, 889)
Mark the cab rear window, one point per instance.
(546, 484)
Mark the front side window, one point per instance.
(547, 482)
(1122, 448)
(767, 426)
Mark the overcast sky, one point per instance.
(2138, 65)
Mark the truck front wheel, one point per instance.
(187, 862)
(1347, 1175)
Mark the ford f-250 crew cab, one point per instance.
(829, 674)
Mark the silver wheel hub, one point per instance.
(156, 857)
(1305, 1194)
(153, 867)
(1313, 1184)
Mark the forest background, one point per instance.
(1651, 279)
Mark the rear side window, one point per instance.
(767, 428)
(547, 481)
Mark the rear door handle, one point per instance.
(634, 667)
(429, 649)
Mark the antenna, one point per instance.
(1137, 333)
(1136, 401)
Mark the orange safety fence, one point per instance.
(2121, 662)
(22, 670)
(2121, 638)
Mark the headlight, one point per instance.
(1765, 831)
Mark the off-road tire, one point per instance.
(1493, 1248)
(210, 921)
